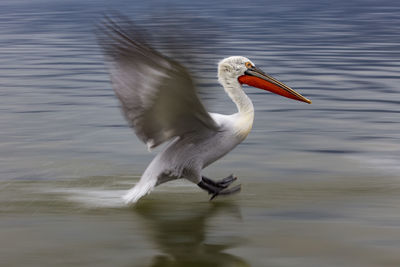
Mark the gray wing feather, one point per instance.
(157, 94)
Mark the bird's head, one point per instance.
(242, 70)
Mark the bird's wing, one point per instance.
(157, 94)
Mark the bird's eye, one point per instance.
(248, 65)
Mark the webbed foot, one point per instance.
(223, 183)
(220, 187)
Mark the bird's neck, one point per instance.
(242, 101)
(244, 105)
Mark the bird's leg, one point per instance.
(219, 188)
(223, 183)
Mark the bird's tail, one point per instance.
(142, 188)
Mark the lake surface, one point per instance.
(320, 182)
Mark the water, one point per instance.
(320, 182)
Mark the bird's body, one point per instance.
(159, 101)
(187, 156)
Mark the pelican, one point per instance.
(158, 98)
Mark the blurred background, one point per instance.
(320, 182)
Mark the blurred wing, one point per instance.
(157, 94)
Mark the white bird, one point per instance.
(159, 101)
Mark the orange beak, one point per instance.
(257, 78)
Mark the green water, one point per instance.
(298, 223)
(320, 182)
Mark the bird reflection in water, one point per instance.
(182, 234)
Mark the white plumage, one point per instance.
(159, 100)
